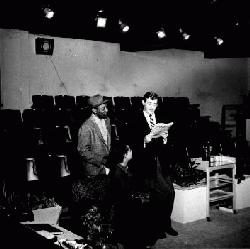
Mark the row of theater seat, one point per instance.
(119, 107)
(81, 101)
(61, 110)
(121, 102)
(50, 125)
(54, 120)
(55, 129)
(47, 151)
(39, 144)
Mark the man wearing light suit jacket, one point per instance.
(94, 138)
(94, 141)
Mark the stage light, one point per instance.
(124, 27)
(236, 24)
(219, 41)
(101, 19)
(49, 13)
(185, 35)
(161, 33)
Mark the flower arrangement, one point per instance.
(91, 222)
(185, 174)
(43, 201)
(97, 233)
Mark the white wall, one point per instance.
(88, 67)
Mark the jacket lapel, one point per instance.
(98, 132)
(107, 122)
(145, 126)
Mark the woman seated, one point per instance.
(131, 222)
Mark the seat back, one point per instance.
(65, 102)
(41, 102)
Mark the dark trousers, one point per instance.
(162, 198)
(135, 226)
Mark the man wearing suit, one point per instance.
(94, 138)
(150, 162)
(89, 186)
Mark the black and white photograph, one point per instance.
(125, 125)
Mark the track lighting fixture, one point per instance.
(161, 33)
(124, 27)
(219, 41)
(185, 35)
(48, 12)
(101, 19)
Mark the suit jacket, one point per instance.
(92, 147)
(145, 158)
(150, 167)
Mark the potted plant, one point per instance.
(96, 229)
(46, 209)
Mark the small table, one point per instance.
(63, 237)
(216, 183)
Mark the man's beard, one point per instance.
(102, 115)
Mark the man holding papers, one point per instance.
(149, 134)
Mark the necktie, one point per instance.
(151, 121)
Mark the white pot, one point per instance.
(48, 215)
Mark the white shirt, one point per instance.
(102, 126)
(146, 115)
(148, 118)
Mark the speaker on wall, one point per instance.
(44, 46)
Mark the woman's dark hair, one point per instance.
(151, 95)
(117, 153)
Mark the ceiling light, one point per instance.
(219, 41)
(185, 35)
(101, 19)
(161, 33)
(49, 13)
(124, 27)
(101, 22)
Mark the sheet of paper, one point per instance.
(160, 128)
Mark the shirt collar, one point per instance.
(147, 114)
(96, 119)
